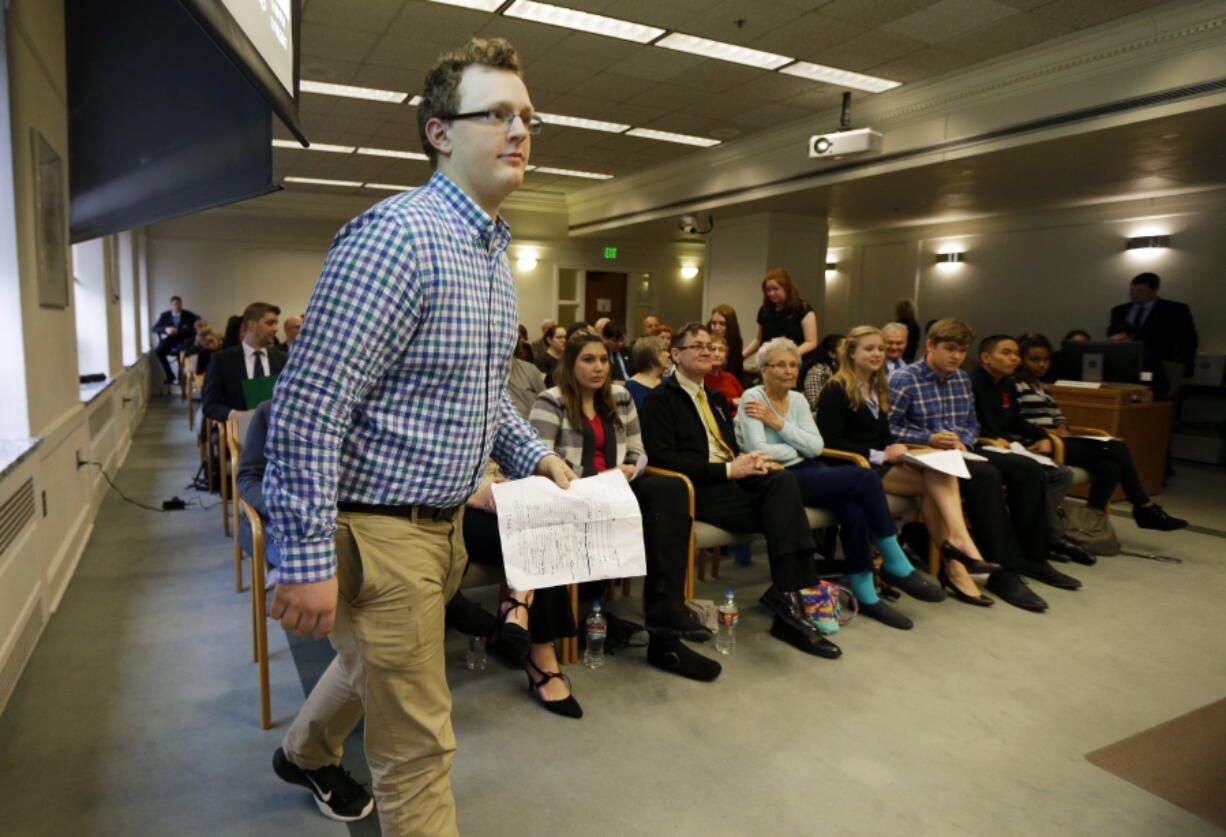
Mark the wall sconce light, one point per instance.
(950, 258)
(1148, 242)
(526, 262)
(831, 267)
(689, 271)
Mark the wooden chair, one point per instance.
(236, 433)
(222, 429)
(259, 607)
(187, 383)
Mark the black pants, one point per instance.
(168, 346)
(549, 615)
(665, 505)
(858, 501)
(1010, 531)
(1109, 464)
(770, 504)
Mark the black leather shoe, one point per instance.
(1073, 552)
(887, 615)
(1153, 517)
(946, 582)
(974, 566)
(675, 620)
(1046, 573)
(788, 608)
(1010, 587)
(914, 585)
(468, 617)
(670, 654)
(811, 642)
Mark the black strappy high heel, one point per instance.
(512, 642)
(973, 565)
(567, 707)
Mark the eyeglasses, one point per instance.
(698, 347)
(532, 123)
(784, 364)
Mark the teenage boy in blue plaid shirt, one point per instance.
(932, 403)
(382, 423)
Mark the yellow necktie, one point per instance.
(713, 426)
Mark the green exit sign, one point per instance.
(610, 252)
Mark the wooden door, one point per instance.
(605, 296)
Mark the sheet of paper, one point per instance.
(945, 461)
(1020, 450)
(973, 457)
(639, 465)
(1063, 382)
(551, 536)
(1098, 438)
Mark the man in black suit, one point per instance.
(255, 357)
(175, 330)
(1163, 325)
(687, 427)
(614, 334)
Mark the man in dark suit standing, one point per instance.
(175, 330)
(614, 334)
(1163, 325)
(255, 357)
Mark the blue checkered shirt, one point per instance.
(922, 404)
(395, 390)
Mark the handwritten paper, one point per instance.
(551, 536)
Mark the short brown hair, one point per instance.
(440, 95)
(950, 330)
(687, 330)
(256, 311)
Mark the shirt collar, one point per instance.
(248, 351)
(494, 234)
(689, 386)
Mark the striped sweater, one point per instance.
(548, 416)
(1037, 405)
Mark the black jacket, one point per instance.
(842, 428)
(1000, 410)
(187, 326)
(675, 436)
(1168, 330)
(223, 385)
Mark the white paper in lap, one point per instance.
(550, 536)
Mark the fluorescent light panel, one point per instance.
(315, 146)
(391, 152)
(479, 5)
(390, 187)
(842, 78)
(319, 181)
(579, 122)
(668, 136)
(582, 21)
(722, 51)
(590, 175)
(351, 92)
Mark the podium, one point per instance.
(1144, 425)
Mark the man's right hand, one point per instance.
(747, 465)
(306, 609)
(943, 441)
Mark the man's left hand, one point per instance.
(556, 469)
(1042, 446)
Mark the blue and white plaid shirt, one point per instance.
(395, 390)
(922, 404)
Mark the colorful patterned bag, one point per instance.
(824, 607)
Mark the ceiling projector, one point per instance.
(845, 143)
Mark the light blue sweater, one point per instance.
(799, 439)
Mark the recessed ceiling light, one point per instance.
(390, 187)
(319, 181)
(669, 136)
(349, 91)
(591, 175)
(315, 146)
(391, 152)
(479, 5)
(579, 122)
(583, 21)
(841, 78)
(724, 52)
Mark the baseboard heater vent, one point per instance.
(17, 511)
(22, 648)
(98, 418)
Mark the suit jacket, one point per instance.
(620, 361)
(187, 325)
(1168, 330)
(223, 385)
(675, 435)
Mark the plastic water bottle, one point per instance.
(725, 640)
(597, 627)
(474, 657)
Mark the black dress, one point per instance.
(787, 323)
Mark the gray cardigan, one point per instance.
(548, 416)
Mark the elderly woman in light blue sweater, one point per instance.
(776, 420)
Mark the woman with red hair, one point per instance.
(785, 314)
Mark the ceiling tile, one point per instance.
(330, 41)
(869, 50)
(375, 15)
(922, 64)
(807, 36)
(404, 54)
(740, 21)
(770, 87)
(531, 40)
(1080, 14)
(444, 26)
(1024, 5)
(594, 52)
(389, 78)
(657, 64)
(949, 18)
(609, 87)
(1005, 36)
(821, 97)
(673, 14)
(328, 69)
(871, 15)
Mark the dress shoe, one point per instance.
(1153, 517)
(468, 617)
(974, 566)
(788, 608)
(980, 600)
(1046, 573)
(914, 585)
(567, 707)
(671, 654)
(1010, 587)
(511, 642)
(887, 615)
(675, 619)
(1073, 552)
(809, 641)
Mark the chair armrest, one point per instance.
(664, 472)
(1057, 445)
(846, 456)
(1088, 431)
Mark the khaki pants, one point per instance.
(395, 576)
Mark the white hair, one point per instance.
(895, 327)
(776, 345)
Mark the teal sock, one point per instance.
(864, 588)
(893, 559)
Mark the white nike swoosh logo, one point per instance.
(326, 797)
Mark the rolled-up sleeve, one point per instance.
(518, 448)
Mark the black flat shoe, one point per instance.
(511, 642)
(974, 566)
(668, 654)
(886, 615)
(1153, 517)
(1046, 573)
(567, 707)
(676, 621)
(1010, 587)
(980, 600)
(914, 585)
(811, 642)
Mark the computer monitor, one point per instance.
(1110, 360)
